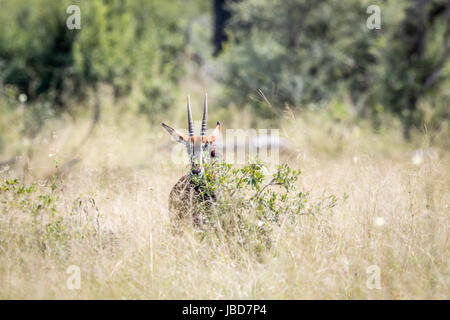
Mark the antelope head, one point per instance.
(199, 148)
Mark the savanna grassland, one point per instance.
(360, 93)
(108, 214)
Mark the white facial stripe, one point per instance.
(198, 149)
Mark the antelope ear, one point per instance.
(215, 134)
(178, 137)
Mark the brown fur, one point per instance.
(186, 202)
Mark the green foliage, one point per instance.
(250, 203)
(35, 217)
(297, 51)
(35, 48)
(120, 43)
(124, 42)
(411, 59)
(300, 51)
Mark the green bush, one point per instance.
(250, 203)
(34, 217)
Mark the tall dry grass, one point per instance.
(396, 217)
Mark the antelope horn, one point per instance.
(190, 125)
(205, 116)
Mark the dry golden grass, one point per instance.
(396, 217)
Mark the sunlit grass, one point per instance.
(116, 200)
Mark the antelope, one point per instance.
(185, 195)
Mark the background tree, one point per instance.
(412, 60)
(301, 52)
(222, 14)
(121, 43)
(36, 53)
(297, 51)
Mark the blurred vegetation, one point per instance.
(267, 54)
(120, 43)
(339, 93)
(299, 52)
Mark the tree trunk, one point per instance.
(408, 122)
(414, 26)
(221, 16)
